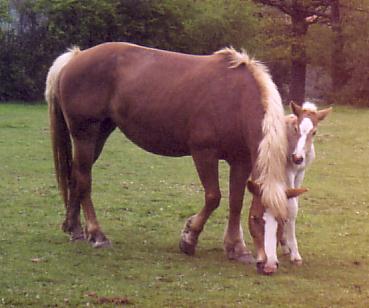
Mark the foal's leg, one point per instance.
(290, 240)
(290, 231)
(206, 163)
(234, 244)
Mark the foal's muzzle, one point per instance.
(297, 159)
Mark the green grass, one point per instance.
(142, 202)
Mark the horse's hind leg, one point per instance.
(93, 232)
(206, 163)
(234, 244)
(84, 142)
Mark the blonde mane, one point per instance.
(271, 161)
(308, 106)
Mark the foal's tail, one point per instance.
(60, 137)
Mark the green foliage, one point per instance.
(43, 29)
(52, 26)
(219, 23)
(142, 202)
(356, 34)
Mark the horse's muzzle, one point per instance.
(297, 159)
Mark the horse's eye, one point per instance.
(314, 133)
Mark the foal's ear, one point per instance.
(323, 113)
(295, 192)
(295, 108)
(254, 188)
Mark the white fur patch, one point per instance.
(306, 126)
(270, 238)
(309, 106)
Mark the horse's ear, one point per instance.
(295, 108)
(295, 192)
(254, 188)
(323, 113)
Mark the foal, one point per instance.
(301, 129)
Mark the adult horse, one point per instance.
(219, 106)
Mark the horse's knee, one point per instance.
(213, 199)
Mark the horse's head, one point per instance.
(260, 225)
(302, 126)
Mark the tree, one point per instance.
(302, 14)
(354, 88)
(43, 29)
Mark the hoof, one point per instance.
(101, 244)
(76, 233)
(189, 239)
(97, 239)
(187, 248)
(264, 269)
(297, 262)
(66, 227)
(77, 236)
(246, 258)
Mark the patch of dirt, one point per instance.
(101, 300)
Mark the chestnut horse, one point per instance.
(302, 126)
(223, 106)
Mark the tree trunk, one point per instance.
(338, 74)
(298, 59)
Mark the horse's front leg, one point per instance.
(206, 162)
(234, 244)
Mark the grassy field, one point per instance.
(142, 202)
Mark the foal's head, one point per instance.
(302, 126)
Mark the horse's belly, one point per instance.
(158, 142)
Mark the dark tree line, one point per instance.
(283, 33)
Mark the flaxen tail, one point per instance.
(271, 162)
(60, 137)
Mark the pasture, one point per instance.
(142, 202)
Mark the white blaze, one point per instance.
(306, 126)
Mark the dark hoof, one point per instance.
(65, 227)
(187, 248)
(99, 240)
(77, 236)
(76, 232)
(260, 267)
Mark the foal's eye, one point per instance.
(314, 133)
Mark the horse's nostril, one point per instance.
(297, 159)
